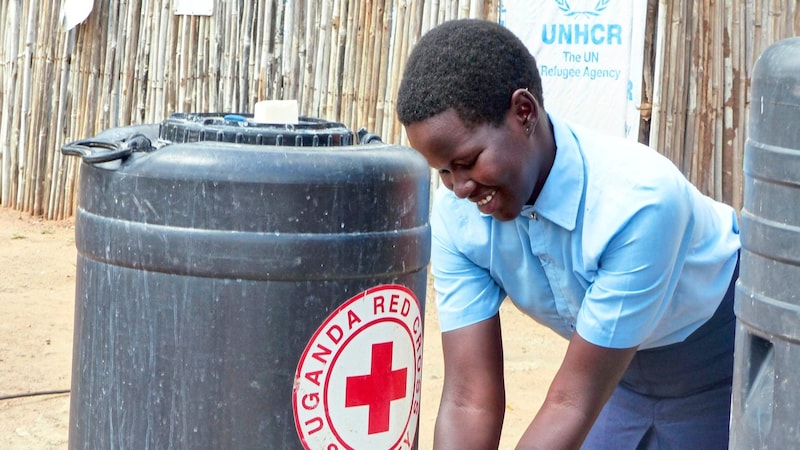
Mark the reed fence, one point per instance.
(701, 61)
(135, 61)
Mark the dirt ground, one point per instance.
(37, 268)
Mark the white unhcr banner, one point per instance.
(589, 54)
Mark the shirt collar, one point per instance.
(562, 191)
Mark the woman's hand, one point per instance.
(584, 382)
(473, 395)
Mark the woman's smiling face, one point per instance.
(496, 167)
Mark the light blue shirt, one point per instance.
(619, 245)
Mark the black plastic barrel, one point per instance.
(213, 276)
(766, 384)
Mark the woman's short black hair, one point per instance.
(470, 65)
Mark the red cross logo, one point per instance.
(337, 391)
(378, 388)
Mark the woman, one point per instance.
(601, 239)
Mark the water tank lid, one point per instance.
(241, 129)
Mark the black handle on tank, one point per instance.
(94, 151)
(367, 138)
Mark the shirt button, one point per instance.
(533, 215)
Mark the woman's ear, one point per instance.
(525, 109)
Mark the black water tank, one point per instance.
(247, 296)
(766, 386)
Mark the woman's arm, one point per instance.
(584, 382)
(473, 395)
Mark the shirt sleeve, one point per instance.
(638, 270)
(465, 292)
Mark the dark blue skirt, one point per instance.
(677, 396)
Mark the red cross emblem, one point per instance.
(358, 382)
(378, 388)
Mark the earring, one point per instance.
(530, 127)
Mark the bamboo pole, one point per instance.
(343, 63)
(730, 94)
(43, 115)
(684, 90)
(119, 19)
(329, 64)
(476, 9)
(160, 69)
(348, 62)
(56, 207)
(170, 70)
(674, 131)
(275, 55)
(325, 65)
(68, 168)
(201, 65)
(14, 135)
(230, 54)
(333, 87)
(289, 51)
(128, 66)
(243, 32)
(399, 37)
(357, 39)
(7, 122)
(155, 64)
(648, 72)
(96, 49)
(226, 59)
(696, 81)
(336, 59)
(718, 82)
(379, 75)
(191, 48)
(366, 117)
(464, 10)
(306, 42)
(79, 86)
(300, 52)
(182, 57)
(72, 119)
(311, 41)
(106, 79)
(315, 89)
(736, 104)
(30, 120)
(374, 120)
(362, 88)
(448, 11)
(195, 92)
(25, 112)
(262, 26)
(141, 71)
(220, 56)
(657, 111)
(656, 133)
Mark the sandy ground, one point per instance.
(37, 264)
